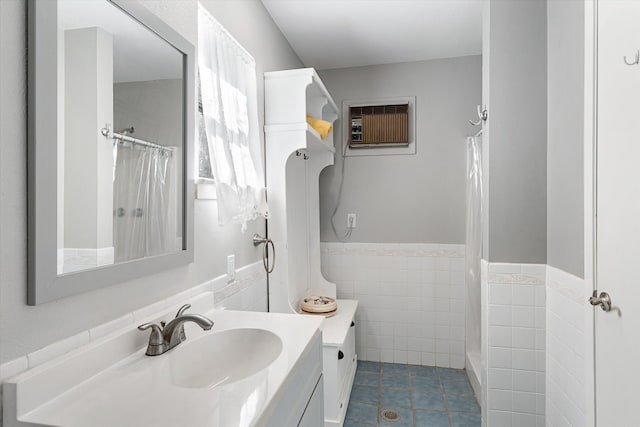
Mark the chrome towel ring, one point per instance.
(258, 240)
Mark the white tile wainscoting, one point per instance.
(412, 311)
(411, 299)
(247, 292)
(569, 350)
(513, 345)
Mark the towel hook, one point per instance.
(636, 60)
(303, 154)
(483, 115)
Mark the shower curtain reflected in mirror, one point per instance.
(473, 247)
(144, 200)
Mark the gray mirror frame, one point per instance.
(44, 284)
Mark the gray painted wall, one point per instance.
(152, 107)
(565, 116)
(515, 91)
(407, 198)
(24, 329)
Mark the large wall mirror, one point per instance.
(110, 132)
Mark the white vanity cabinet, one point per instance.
(300, 400)
(339, 361)
(100, 384)
(314, 413)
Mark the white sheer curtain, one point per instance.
(229, 104)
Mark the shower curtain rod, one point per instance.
(109, 134)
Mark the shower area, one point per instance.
(144, 199)
(473, 255)
(147, 166)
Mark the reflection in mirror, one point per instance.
(119, 141)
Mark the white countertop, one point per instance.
(335, 328)
(137, 391)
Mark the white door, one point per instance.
(618, 214)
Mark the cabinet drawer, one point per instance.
(349, 353)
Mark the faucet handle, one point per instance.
(156, 337)
(181, 333)
(183, 309)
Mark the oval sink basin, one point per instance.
(223, 357)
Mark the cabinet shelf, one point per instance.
(315, 87)
(293, 183)
(314, 141)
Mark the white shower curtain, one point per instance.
(473, 243)
(229, 105)
(144, 200)
(162, 206)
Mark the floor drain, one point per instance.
(389, 415)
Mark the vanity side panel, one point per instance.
(289, 403)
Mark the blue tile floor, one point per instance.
(423, 396)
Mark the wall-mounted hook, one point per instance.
(636, 60)
(303, 154)
(483, 115)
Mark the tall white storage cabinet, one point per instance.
(295, 156)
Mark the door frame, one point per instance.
(590, 191)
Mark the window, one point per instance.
(205, 173)
(229, 130)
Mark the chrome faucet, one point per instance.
(168, 335)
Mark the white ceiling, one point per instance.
(138, 53)
(348, 33)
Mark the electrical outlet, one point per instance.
(351, 220)
(231, 268)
